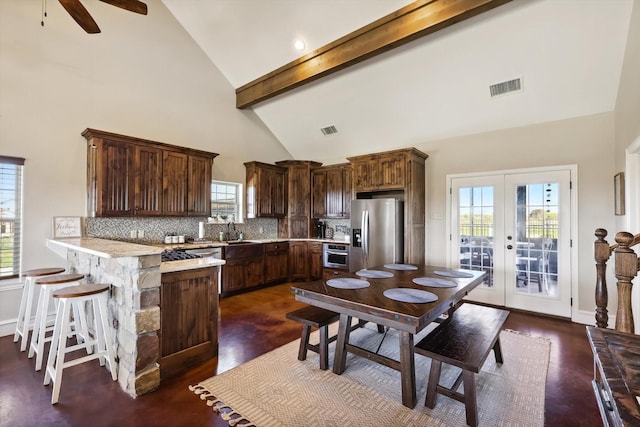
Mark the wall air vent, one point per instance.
(329, 130)
(498, 89)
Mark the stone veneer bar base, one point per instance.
(134, 306)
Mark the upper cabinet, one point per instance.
(379, 172)
(265, 190)
(331, 191)
(128, 176)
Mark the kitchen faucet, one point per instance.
(231, 224)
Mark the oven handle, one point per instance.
(335, 252)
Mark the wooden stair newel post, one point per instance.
(626, 269)
(602, 253)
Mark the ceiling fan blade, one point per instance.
(130, 5)
(80, 15)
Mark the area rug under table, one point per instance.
(276, 389)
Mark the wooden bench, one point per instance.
(319, 318)
(464, 340)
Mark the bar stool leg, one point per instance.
(23, 323)
(105, 335)
(58, 350)
(39, 328)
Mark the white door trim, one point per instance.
(632, 211)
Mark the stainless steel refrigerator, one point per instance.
(377, 227)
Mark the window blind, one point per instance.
(10, 215)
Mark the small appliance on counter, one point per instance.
(321, 229)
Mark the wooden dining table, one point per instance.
(408, 318)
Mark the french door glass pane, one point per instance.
(476, 229)
(536, 213)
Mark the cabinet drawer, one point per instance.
(276, 247)
(243, 251)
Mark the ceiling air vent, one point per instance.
(329, 130)
(514, 85)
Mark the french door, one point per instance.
(517, 228)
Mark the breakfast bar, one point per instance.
(381, 301)
(136, 275)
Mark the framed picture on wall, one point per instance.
(618, 187)
(67, 226)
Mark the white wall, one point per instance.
(142, 76)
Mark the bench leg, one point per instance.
(323, 348)
(497, 351)
(468, 377)
(380, 329)
(304, 342)
(432, 387)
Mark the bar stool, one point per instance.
(47, 286)
(23, 324)
(77, 296)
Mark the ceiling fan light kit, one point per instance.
(82, 16)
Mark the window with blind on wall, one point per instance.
(10, 215)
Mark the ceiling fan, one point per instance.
(80, 14)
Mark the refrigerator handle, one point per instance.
(365, 239)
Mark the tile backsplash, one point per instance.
(154, 229)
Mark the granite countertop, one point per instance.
(106, 248)
(190, 264)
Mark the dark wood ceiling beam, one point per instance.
(413, 21)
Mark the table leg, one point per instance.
(407, 370)
(340, 356)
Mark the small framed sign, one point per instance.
(67, 226)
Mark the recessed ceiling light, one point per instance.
(299, 44)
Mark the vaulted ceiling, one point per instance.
(567, 53)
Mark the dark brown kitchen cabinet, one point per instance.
(199, 184)
(314, 254)
(148, 181)
(244, 267)
(296, 223)
(276, 262)
(376, 172)
(305, 260)
(332, 191)
(298, 263)
(174, 183)
(265, 190)
(188, 319)
(128, 176)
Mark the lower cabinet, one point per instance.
(244, 267)
(314, 254)
(305, 260)
(188, 319)
(276, 262)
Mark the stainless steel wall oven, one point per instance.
(335, 255)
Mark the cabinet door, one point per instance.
(115, 169)
(189, 316)
(335, 193)
(314, 250)
(347, 192)
(175, 167)
(199, 186)
(365, 174)
(299, 191)
(276, 262)
(148, 182)
(298, 265)
(318, 194)
(278, 201)
(233, 275)
(392, 172)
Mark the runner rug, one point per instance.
(276, 389)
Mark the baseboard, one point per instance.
(7, 327)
